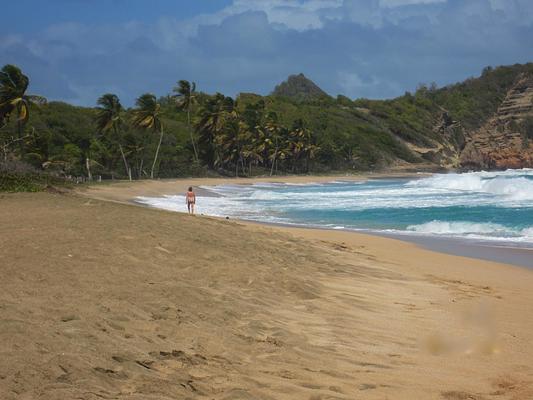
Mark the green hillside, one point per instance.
(297, 129)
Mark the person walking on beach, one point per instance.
(190, 199)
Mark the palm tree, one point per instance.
(186, 95)
(13, 97)
(273, 138)
(109, 119)
(252, 134)
(228, 148)
(148, 116)
(217, 115)
(301, 144)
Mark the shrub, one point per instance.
(16, 176)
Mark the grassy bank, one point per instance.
(19, 177)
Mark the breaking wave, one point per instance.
(513, 185)
(477, 205)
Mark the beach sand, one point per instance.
(105, 299)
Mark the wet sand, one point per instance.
(105, 299)
(519, 256)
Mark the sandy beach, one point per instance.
(102, 298)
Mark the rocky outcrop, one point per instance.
(503, 142)
(450, 142)
(299, 87)
(450, 130)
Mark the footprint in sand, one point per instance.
(111, 373)
(162, 249)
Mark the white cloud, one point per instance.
(299, 15)
(360, 48)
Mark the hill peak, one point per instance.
(299, 86)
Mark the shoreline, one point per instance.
(472, 248)
(125, 190)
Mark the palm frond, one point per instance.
(13, 83)
(23, 111)
(147, 115)
(108, 116)
(13, 86)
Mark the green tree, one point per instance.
(109, 120)
(13, 97)
(273, 139)
(301, 145)
(252, 135)
(229, 142)
(254, 145)
(216, 116)
(186, 99)
(147, 116)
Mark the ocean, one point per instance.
(484, 207)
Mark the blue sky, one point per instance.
(76, 50)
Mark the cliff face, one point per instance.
(453, 140)
(504, 141)
(444, 151)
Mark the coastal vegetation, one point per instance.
(147, 116)
(296, 129)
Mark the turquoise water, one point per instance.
(482, 206)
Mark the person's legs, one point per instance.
(192, 208)
(189, 207)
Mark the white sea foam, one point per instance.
(458, 228)
(473, 230)
(332, 204)
(511, 185)
(527, 233)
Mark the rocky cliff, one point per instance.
(299, 87)
(505, 140)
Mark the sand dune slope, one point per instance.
(101, 300)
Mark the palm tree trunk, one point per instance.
(190, 134)
(156, 154)
(88, 166)
(128, 171)
(273, 161)
(242, 166)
